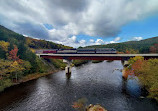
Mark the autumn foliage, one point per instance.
(4, 45)
(154, 49)
(146, 71)
(137, 67)
(77, 105)
(80, 104)
(13, 55)
(14, 66)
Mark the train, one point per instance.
(79, 51)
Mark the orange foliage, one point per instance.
(101, 109)
(13, 55)
(129, 72)
(136, 68)
(77, 105)
(127, 52)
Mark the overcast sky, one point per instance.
(81, 22)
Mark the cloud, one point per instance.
(99, 42)
(91, 41)
(137, 38)
(115, 40)
(103, 18)
(69, 5)
(82, 42)
(111, 42)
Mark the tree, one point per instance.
(4, 49)
(26, 65)
(134, 59)
(18, 65)
(13, 55)
(2, 54)
(152, 49)
(136, 67)
(4, 45)
(146, 71)
(131, 51)
(15, 68)
(156, 46)
(4, 67)
(127, 52)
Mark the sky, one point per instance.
(81, 22)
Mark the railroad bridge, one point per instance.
(96, 56)
(68, 57)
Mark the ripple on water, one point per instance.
(96, 82)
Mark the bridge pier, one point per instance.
(125, 64)
(68, 68)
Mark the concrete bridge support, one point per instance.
(125, 64)
(68, 68)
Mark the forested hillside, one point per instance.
(42, 44)
(24, 44)
(144, 46)
(17, 57)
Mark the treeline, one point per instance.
(144, 46)
(42, 44)
(147, 73)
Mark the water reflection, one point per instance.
(96, 82)
(68, 76)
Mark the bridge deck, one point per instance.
(97, 56)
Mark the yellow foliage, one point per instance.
(8, 67)
(146, 71)
(4, 45)
(15, 64)
(28, 41)
(33, 50)
(4, 66)
(16, 67)
(134, 59)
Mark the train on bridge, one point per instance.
(78, 51)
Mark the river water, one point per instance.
(98, 83)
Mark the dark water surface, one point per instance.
(96, 82)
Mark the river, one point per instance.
(98, 83)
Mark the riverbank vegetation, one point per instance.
(13, 69)
(18, 59)
(146, 71)
(97, 61)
